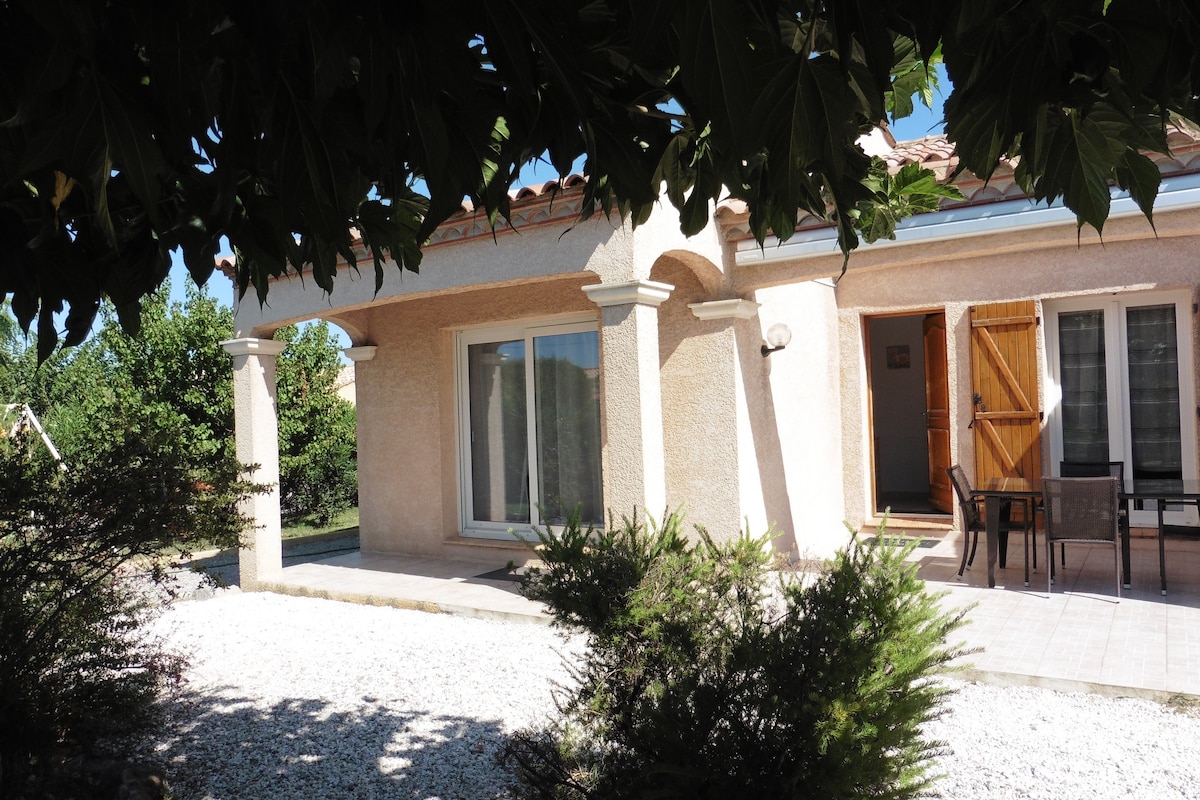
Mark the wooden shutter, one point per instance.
(1004, 391)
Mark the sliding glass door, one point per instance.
(1120, 387)
(530, 426)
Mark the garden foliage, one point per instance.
(712, 674)
(318, 446)
(175, 376)
(145, 470)
(174, 369)
(79, 568)
(134, 130)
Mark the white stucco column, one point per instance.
(257, 437)
(726, 482)
(631, 395)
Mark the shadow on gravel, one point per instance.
(223, 747)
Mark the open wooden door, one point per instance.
(937, 412)
(1004, 390)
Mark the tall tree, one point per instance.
(174, 373)
(22, 379)
(129, 128)
(174, 380)
(318, 468)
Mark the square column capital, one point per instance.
(647, 293)
(725, 309)
(364, 352)
(253, 347)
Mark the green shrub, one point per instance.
(710, 674)
(79, 573)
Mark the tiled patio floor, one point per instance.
(1077, 638)
(427, 584)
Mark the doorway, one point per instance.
(910, 415)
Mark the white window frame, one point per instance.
(526, 331)
(1116, 373)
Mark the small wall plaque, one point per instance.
(898, 357)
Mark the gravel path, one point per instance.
(292, 697)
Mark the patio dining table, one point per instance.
(1163, 491)
(996, 491)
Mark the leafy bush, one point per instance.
(710, 674)
(79, 560)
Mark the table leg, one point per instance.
(992, 508)
(1125, 531)
(1125, 558)
(1162, 550)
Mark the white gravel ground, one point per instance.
(299, 698)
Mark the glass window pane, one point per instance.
(499, 447)
(567, 408)
(1157, 447)
(1084, 382)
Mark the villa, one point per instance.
(563, 364)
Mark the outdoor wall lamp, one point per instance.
(778, 336)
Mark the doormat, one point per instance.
(503, 574)
(899, 541)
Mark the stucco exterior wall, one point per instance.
(409, 481)
(599, 246)
(1042, 264)
(408, 458)
(795, 419)
(782, 441)
(699, 397)
(660, 235)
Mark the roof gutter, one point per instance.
(1176, 193)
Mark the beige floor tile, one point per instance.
(1081, 632)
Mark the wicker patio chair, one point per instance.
(974, 522)
(1082, 510)
(1097, 469)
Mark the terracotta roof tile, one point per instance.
(931, 149)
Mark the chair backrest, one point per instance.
(962, 488)
(1080, 509)
(1094, 469)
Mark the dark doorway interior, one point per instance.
(900, 414)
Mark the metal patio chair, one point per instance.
(1097, 469)
(1083, 510)
(974, 522)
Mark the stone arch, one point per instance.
(351, 334)
(709, 276)
(357, 334)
